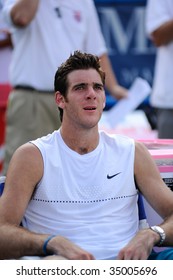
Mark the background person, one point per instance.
(44, 34)
(159, 26)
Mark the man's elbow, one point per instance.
(19, 19)
(160, 38)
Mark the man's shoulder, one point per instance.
(115, 136)
(116, 139)
(46, 138)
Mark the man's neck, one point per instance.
(80, 141)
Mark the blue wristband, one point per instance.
(45, 244)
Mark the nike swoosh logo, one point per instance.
(111, 176)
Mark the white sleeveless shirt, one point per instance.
(90, 199)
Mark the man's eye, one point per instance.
(99, 87)
(80, 87)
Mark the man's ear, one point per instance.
(104, 102)
(59, 99)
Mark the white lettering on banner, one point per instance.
(118, 38)
(129, 74)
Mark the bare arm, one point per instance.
(159, 196)
(19, 186)
(163, 35)
(151, 184)
(24, 11)
(24, 173)
(112, 85)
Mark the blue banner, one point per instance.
(131, 52)
(117, 2)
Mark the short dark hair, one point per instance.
(76, 61)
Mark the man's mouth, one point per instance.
(90, 108)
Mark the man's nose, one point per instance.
(91, 93)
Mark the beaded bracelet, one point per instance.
(45, 244)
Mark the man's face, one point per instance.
(85, 98)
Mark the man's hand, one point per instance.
(140, 247)
(65, 248)
(6, 39)
(119, 92)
